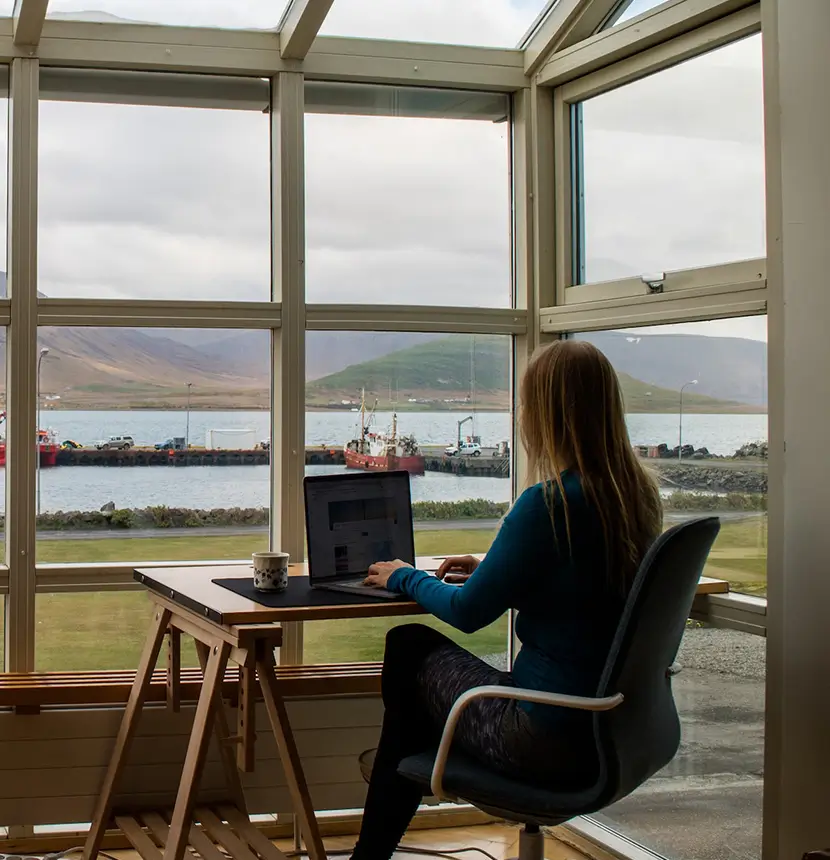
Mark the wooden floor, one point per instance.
(500, 840)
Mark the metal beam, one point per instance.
(325, 317)
(642, 33)
(135, 47)
(21, 366)
(300, 27)
(569, 22)
(289, 343)
(27, 21)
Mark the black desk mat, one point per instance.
(299, 593)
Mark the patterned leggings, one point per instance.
(424, 673)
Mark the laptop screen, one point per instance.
(356, 519)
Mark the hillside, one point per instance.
(98, 368)
(125, 368)
(437, 375)
(728, 368)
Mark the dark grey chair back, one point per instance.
(640, 737)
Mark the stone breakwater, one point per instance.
(711, 478)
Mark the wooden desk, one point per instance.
(226, 627)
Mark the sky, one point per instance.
(161, 202)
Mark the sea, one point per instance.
(90, 487)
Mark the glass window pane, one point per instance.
(408, 207)
(96, 631)
(631, 9)
(155, 444)
(710, 795)
(703, 386)
(441, 388)
(142, 201)
(497, 23)
(672, 178)
(230, 14)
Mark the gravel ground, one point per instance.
(727, 652)
(710, 649)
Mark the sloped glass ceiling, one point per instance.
(631, 9)
(491, 23)
(227, 14)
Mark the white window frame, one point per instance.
(673, 49)
(286, 315)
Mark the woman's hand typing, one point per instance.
(380, 572)
(457, 569)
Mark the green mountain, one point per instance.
(445, 373)
(459, 370)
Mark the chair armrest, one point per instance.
(581, 703)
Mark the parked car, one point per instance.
(466, 449)
(115, 443)
(176, 443)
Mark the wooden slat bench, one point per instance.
(28, 693)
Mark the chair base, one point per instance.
(531, 843)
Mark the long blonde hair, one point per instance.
(572, 417)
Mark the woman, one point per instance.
(565, 557)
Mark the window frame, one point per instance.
(567, 100)
(286, 315)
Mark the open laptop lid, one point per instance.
(356, 519)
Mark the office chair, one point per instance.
(636, 727)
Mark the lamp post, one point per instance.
(43, 353)
(187, 425)
(680, 427)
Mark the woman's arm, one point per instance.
(523, 548)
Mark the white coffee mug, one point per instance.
(270, 571)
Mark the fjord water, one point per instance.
(89, 487)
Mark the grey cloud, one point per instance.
(262, 14)
(173, 203)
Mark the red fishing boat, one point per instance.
(382, 452)
(47, 444)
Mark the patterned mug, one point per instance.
(270, 571)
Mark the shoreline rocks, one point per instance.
(723, 479)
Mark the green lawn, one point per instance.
(105, 630)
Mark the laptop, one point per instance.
(352, 521)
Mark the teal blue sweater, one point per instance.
(567, 610)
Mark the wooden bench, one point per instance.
(28, 693)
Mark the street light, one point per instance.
(187, 426)
(43, 353)
(680, 428)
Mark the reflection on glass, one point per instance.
(228, 14)
(95, 631)
(711, 794)
(162, 444)
(497, 23)
(672, 178)
(707, 441)
(431, 391)
(408, 209)
(148, 202)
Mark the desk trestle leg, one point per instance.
(129, 724)
(297, 786)
(197, 750)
